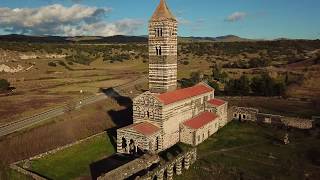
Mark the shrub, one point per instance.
(61, 63)
(185, 62)
(52, 64)
(4, 85)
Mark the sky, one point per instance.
(254, 19)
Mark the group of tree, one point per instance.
(262, 85)
(214, 80)
(252, 63)
(218, 74)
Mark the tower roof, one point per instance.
(162, 12)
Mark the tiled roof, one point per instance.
(216, 102)
(162, 12)
(201, 120)
(145, 128)
(181, 94)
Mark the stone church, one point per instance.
(165, 115)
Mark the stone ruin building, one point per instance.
(165, 115)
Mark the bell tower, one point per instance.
(162, 50)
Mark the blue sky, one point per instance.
(259, 19)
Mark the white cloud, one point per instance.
(236, 16)
(60, 20)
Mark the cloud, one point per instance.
(60, 20)
(236, 16)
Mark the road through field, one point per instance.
(35, 119)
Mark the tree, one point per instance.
(216, 72)
(196, 77)
(215, 86)
(4, 85)
(244, 85)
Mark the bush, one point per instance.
(4, 85)
(61, 63)
(52, 64)
(185, 62)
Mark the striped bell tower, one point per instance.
(162, 50)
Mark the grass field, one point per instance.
(249, 151)
(75, 161)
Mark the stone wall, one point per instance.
(127, 170)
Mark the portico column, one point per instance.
(136, 148)
(128, 147)
(187, 161)
(170, 172)
(119, 144)
(179, 167)
(160, 175)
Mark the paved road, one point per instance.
(35, 119)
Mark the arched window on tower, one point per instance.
(157, 52)
(160, 51)
(161, 32)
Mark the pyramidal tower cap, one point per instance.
(162, 12)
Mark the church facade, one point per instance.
(165, 115)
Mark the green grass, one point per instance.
(75, 161)
(255, 152)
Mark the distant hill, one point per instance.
(76, 39)
(116, 39)
(228, 38)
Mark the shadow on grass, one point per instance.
(110, 163)
(120, 118)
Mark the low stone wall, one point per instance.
(299, 123)
(28, 173)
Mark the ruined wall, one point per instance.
(244, 113)
(252, 114)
